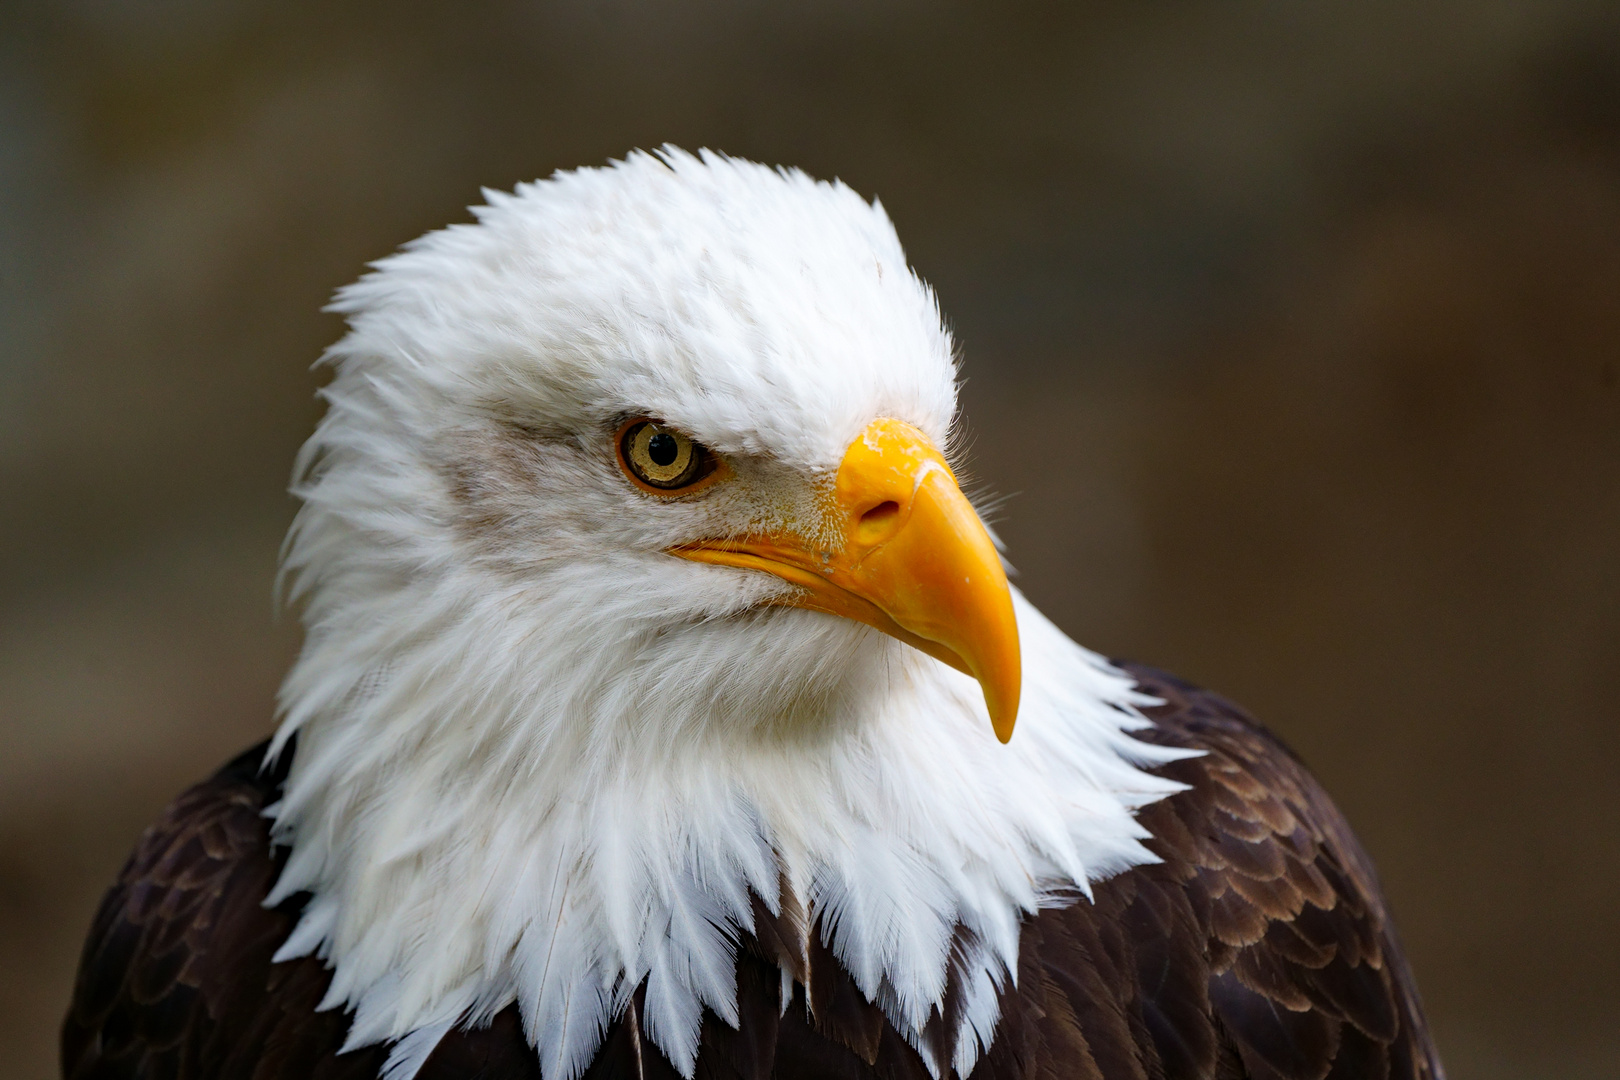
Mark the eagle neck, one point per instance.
(465, 847)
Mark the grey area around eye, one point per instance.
(491, 474)
(517, 498)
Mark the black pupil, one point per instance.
(663, 448)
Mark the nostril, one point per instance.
(875, 522)
(880, 513)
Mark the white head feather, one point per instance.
(540, 760)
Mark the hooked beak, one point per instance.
(915, 563)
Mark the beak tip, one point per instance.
(1003, 716)
(1003, 683)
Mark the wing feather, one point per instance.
(1304, 973)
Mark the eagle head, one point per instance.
(640, 597)
(674, 414)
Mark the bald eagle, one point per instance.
(655, 716)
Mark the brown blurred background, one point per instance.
(1293, 329)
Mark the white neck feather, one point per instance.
(490, 803)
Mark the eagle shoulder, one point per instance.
(176, 978)
(1260, 947)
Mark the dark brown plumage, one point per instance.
(1259, 948)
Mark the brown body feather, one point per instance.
(1260, 948)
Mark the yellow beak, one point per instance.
(915, 562)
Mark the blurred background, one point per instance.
(1291, 329)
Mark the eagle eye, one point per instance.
(662, 459)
